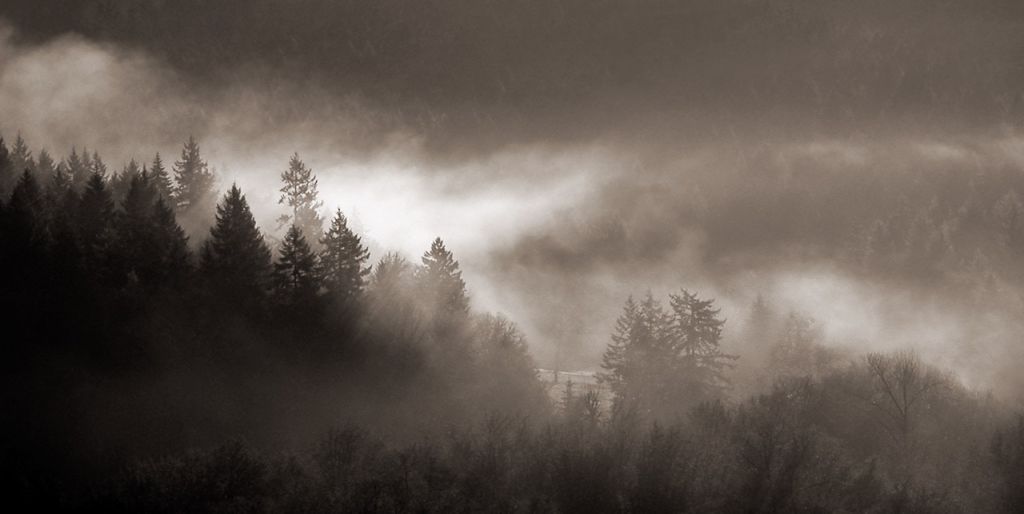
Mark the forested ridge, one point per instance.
(148, 369)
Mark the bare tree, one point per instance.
(900, 383)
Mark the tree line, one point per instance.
(144, 371)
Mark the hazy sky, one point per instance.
(564, 149)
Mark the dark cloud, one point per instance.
(572, 152)
(468, 73)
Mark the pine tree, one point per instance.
(21, 156)
(45, 167)
(78, 168)
(160, 179)
(96, 165)
(8, 174)
(638, 362)
(441, 283)
(172, 245)
(235, 260)
(342, 260)
(300, 194)
(26, 202)
(152, 248)
(295, 278)
(95, 218)
(23, 232)
(194, 180)
(122, 181)
(697, 334)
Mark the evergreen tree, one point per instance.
(151, 247)
(235, 260)
(122, 181)
(194, 179)
(342, 260)
(697, 336)
(8, 174)
(172, 245)
(639, 361)
(295, 272)
(160, 179)
(26, 204)
(95, 218)
(300, 194)
(21, 156)
(45, 167)
(441, 283)
(96, 165)
(78, 168)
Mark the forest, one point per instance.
(163, 354)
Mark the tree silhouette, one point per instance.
(194, 179)
(160, 179)
(441, 283)
(342, 260)
(21, 156)
(234, 260)
(300, 194)
(295, 279)
(697, 336)
(8, 173)
(95, 218)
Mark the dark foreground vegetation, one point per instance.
(152, 365)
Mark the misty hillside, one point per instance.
(512, 256)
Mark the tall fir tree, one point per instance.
(193, 177)
(160, 179)
(300, 194)
(121, 181)
(638, 362)
(8, 174)
(235, 261)
(78, 167)
(96, 165)
(45, 167)
(697, 334)
(295, 279)
(343, 260)
(172, 244)
(440, 281)
(152, 248)
(21, 156)
(95, 219)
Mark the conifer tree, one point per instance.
(23, 233)
(342, 260)
(122, 181)
(160, 179)
(45, 167)
(26, 202)
(441, 283)
(172, 244)
(95, 217)
(152, 248)
(21, 156)
(194, 179)
(235, 261)
(96, 165)
(8, 174)
(300, 194)
(638, 362)
(78, 168)
(295, 278)
(697, 335)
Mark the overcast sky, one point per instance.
(564, 149)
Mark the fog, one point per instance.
(535, 222)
